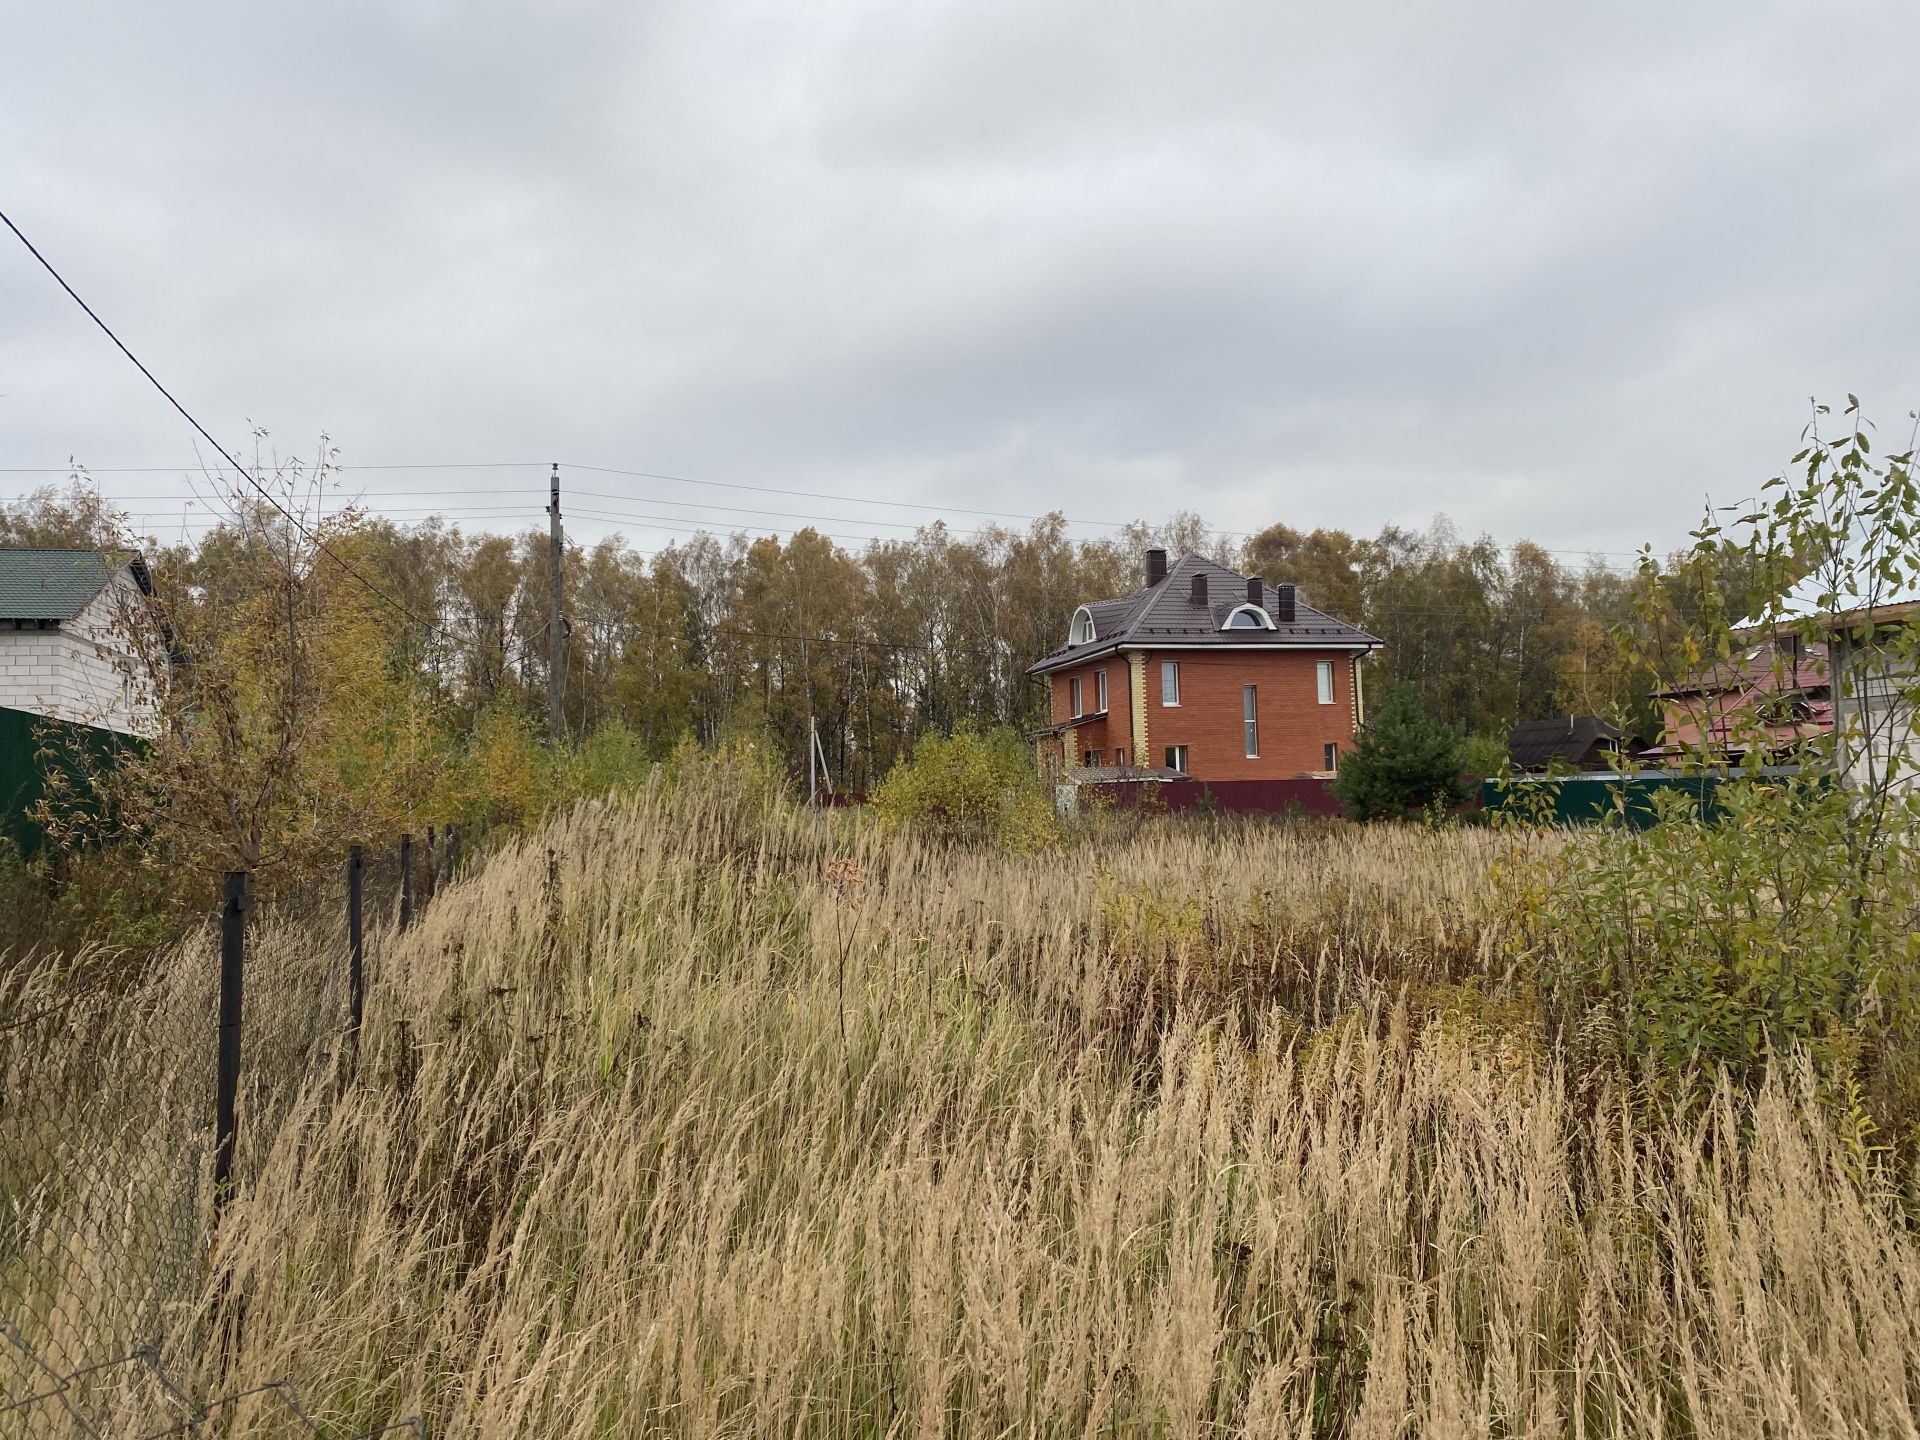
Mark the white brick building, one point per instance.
(64, 651)
(1876, 718)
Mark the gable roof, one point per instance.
(53, 586)
(1560, 737)
(1164, 615)
(1763, 668)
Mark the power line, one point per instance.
(592, 495)
(777, 514)
(916, 648)
(695, 505)
(823, 495)
(240, 469)
(692, 525)
(936, 510)
(176, 469)
(595, 469)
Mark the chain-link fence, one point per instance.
(109, 1082)
(147, 1402)
(106, 1088)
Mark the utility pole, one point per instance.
(813, 745)
(556, 622)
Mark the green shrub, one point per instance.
(1403, 760)
(969, 789)
(612, 757)
(1727, 941)
(1484, 754)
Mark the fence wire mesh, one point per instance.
(106, 1087)
(108, 1218)
(133, 1395)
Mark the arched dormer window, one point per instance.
(1248, 617)
(1080, 632)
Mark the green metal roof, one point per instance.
(51, 584)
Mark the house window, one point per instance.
(1120, 756)
(1323, 673)
(1100, 691)
(1093, 757)
(1332, 757)
(1081, 631)
(1177, 758)
(1169, 682)
(1073, 693)
(1250, 713)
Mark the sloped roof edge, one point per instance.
(53, 586)
(1165, 616)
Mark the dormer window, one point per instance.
(1080, 632)
(1248, 617)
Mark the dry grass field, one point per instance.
(744, 1121)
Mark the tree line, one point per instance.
(726, 636)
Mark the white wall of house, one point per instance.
(1877, 727)
(82, 670)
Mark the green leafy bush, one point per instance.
(1726, 941)
(1404, 760)
(969, 789)
(1484, 754)
(1785, 916)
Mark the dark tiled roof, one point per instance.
(1562, 737)
(51, 585)
(1165, 614)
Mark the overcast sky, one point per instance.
(1558, 271)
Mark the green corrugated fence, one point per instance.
(1589, 799)
(23, 738)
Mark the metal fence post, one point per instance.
(236, 900)
(356, 940)
(406, 881)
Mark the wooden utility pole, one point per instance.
(556, 622)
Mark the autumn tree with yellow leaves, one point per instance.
(283, 728)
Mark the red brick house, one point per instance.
(1203, 672)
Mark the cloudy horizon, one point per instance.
(1558, 276)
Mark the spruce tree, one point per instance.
(1403, 759)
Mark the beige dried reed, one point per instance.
(1196, 1133)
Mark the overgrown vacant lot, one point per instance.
(740, 1120)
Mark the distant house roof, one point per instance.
(1165, 615)
(53, 586)
(1110, 774)
(1779, 666)
(1535, 744)
(1776, 691)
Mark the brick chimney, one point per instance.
(1200, 588)
(1156, 567)
(1283, 611)
(1257, 592)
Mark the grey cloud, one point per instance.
(1556, 273)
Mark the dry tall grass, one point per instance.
(760, 1123)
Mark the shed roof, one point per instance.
(1166, 614)
(52, 585)
(1560, 737)
(1111, 774)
